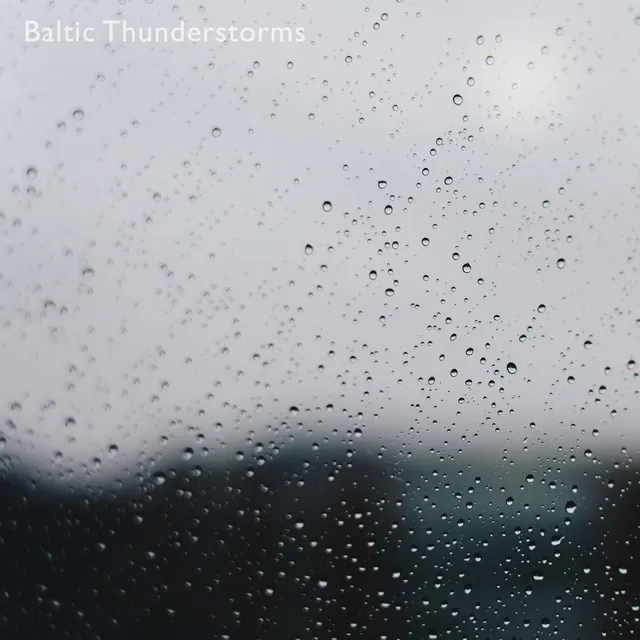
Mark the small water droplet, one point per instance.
(216, 132)
(511, 368)
(159, 478)
(187, 453)
(457, 99)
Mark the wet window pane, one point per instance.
(319, 320)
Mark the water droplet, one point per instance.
(388, 209)
(382, 184)
(389, 292)
(490, 60)
(480, 40)
(511, 368)
(32, 173)
(457, 99)
(78, 114)
(294, 411)
(308, 249)
(373, 275)
(560, 263)
(425, 242)
(570, 507)
(216, 132)
(448, 180)
(466, 267)
(327, 206)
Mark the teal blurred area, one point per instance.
(332, 543)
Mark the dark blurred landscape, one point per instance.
(327, 544)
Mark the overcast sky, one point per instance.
(153, 271)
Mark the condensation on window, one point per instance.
(325, 327)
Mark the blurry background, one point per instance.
(411, 239)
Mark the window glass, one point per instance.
(319, 320)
